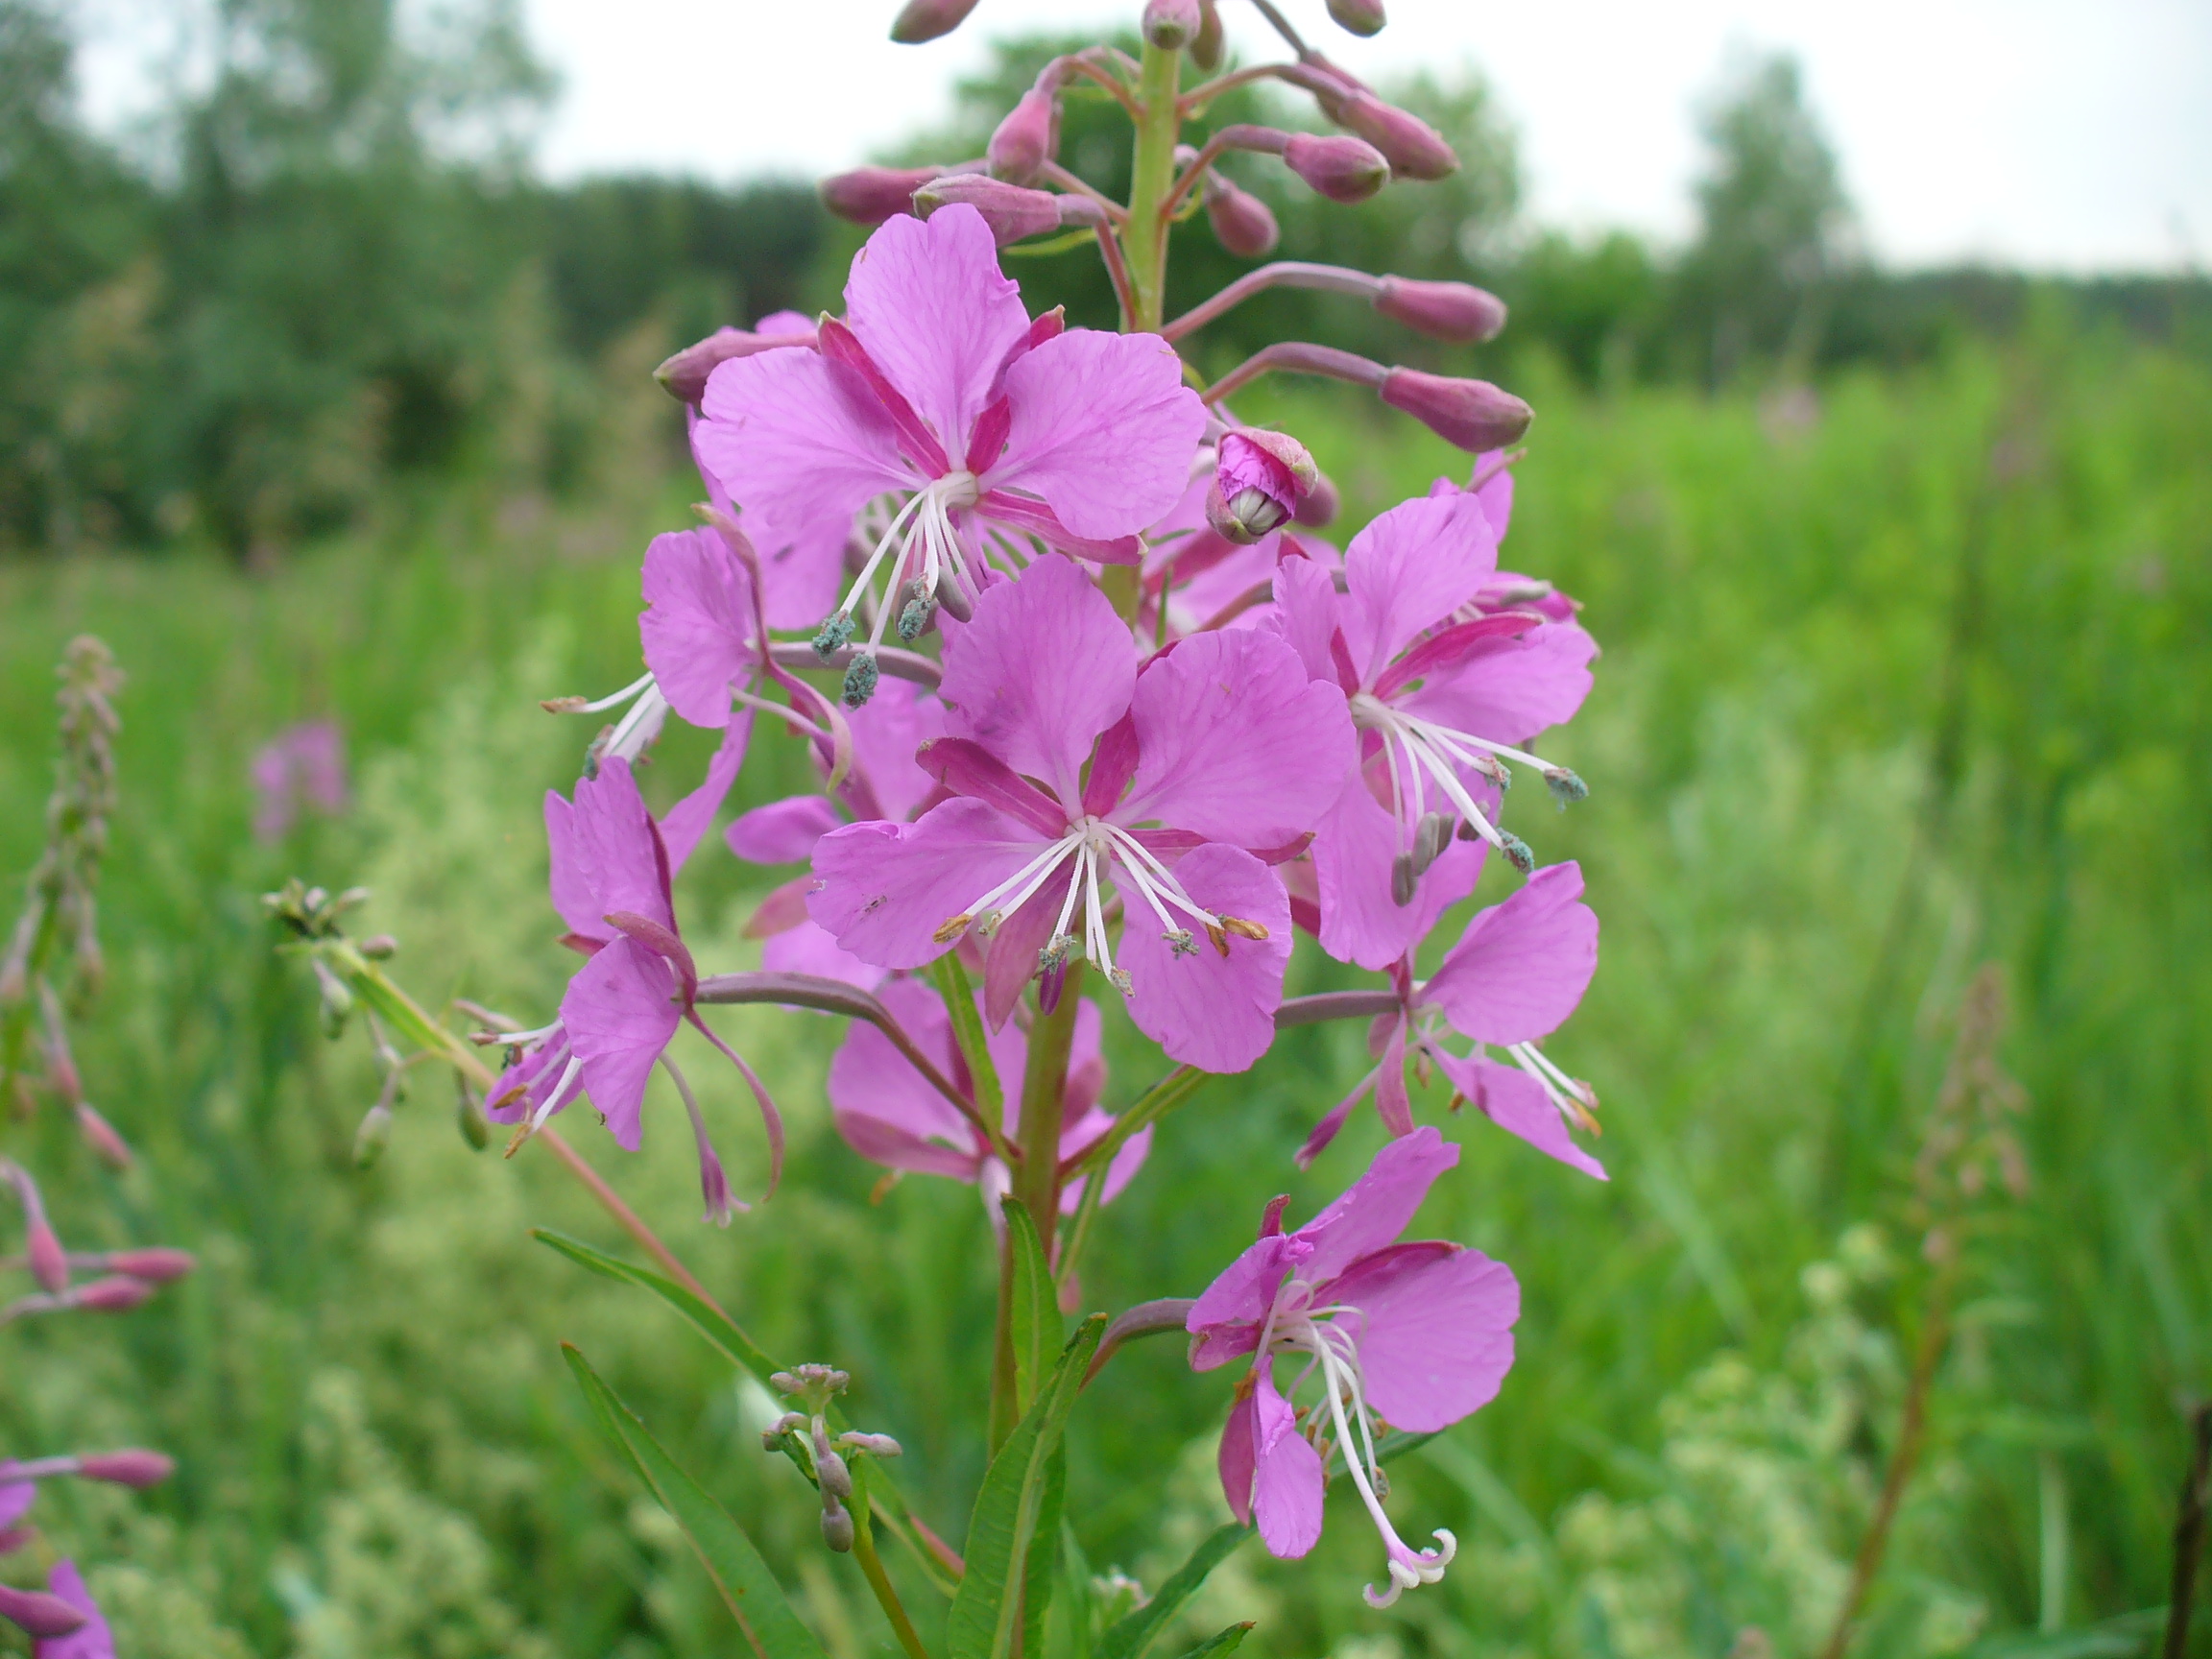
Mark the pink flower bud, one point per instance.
(1340, 168)
(1172, 24)
(1457, 311)
(1415, 150)
(49, 1262)
(1013, 211)
(15, 1538)
(1241, 222)
(45, 1616)
(684, 376)
(118, 1293)
(1027, 138)
(1206, 44)
(1321, 504)
(871, 195)
(1473, 414)
(927, 19)
(1359, 16)
(99, 1135)
(156, 1266)
(134, 1467)
(1257, 483)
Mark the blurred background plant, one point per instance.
(1902, 581)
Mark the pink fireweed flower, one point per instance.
(1417, 1335)
(971, 435)
(1441, 706)
(1516, 974)
(303, 765)
(890, 1116)
(613, 866)
(885, 783)
(1073, 774)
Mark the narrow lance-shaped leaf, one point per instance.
(1221, 1644)
(749, 1589)
(1034, 1308)
(1131, 1636)
(968, 1031)
(1019, 1489)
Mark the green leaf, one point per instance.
(1017, 1518)
(1129, 1638)
(968, 1031)
(1033, 1312)
(1222, 1642)
(1076, 1575)
(750, 1591)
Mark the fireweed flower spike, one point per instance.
(1076, 774)
(890, 1116)
(1415, 1334)
(1441, 707)
(973, 437)
(1516, 974)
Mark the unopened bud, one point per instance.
(875, 1445)
(469, 1116)
(1206, 44)
(99, 1135)
(372, 1136)
(1321, 504)
(1170, 24)
(379, 946)
(118, 1295)
(860, 680)
(337, 1000)
(1340, 168)
(49, 1262)
(923, 20)
(1013, 211)
(836, 1527)
(1402, 879)
(1027, 138)
(830, 1469)
(1243, 223)
(1473, 414)
(1359, 16)
(684, 376)
(1260, 477)
(1429, 840)
(871, 195)
(1565, 785)
(1414, 148)
(156, 1266)
(47, 1618)
(132, 1467)
(1456, 311)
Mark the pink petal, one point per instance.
(698, 628)
(90, 1640)
(803, 571)
(783, 831)
(573, 896)
(1510, 694)
(16, 1496)
(1238, 1460)
(898, 720)
(926, 299)
(1377, 1207)
(1205, 1010)
(1044, 667)
(618, 852)
(686, 822)
(884, 1108)
(1104, 429)
(1287, 1485)
(1234, 742)
(1308, 610)
(1516, 1103)
(1495, 494)
(620, 1012)
(886, 888)
(807, 950)
(1435, 1330)
(1010, 959)
(1408, 571)
(1229, 1312)
(965, 767)
(1361, 920)
(1521, 966)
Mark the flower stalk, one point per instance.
(1152, 179)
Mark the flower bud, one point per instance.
(1013, 211)
(372, 1136)
(49, 1262)
(117, 1294)
(1243, 223)
(1358, 17)
(1321, 504)
(48, 1618)
(1456, 311)
(1027, 138)
(836, 1527)
(1340, 168)
(156, 1266)
(871, 195)
(1172, 24)
(99, 1135)
(927, 19)
(684, 376)
(1206, 44)
(379, 946)
(469, 1118)
(875, 1445)
(132, 1467)
(1257, 483)
(1414, 148)
(830, 1469)
(1473, 414)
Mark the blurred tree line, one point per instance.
(323, 268)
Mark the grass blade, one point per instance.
(1222, 1642)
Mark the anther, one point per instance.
(1429, 840)
(1517, 850)
(1219, 936)
(1402, 878)
(1121, 981)
(1566, 786)
(952, 926)
(835, 634)
(1242, 928)
(914, 620)
(1056, 952)
(1180, 942)
(859, 680)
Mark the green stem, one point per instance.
(1162, 1098)
(1145, 238)
(872, 1567)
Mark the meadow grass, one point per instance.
(1906, 680)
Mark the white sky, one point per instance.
(2059, 136)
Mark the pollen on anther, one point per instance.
(1180, 942)
(952, 928)
(1242, 928)
(1219, 937)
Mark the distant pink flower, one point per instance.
(1440, 703)
(980, 436)
(888, 1113)
(303, 765)
(90, 1640)
(1074, 775)
(1417, 1335)
(1516, 974)
(613, 867)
